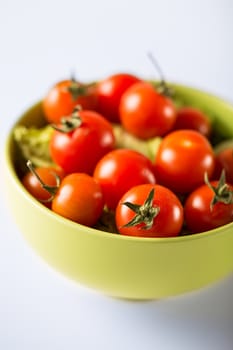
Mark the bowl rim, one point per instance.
(9, 167)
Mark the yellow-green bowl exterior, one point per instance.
(120, 266)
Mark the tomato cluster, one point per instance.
(182, 190)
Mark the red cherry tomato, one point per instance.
(158, 214)
(193, 118)
(48, 176)
(224, 160)
(120, 170)
(79, 198)
(182, 159)
(145, 113)
(80, 149)
(64, 96)
(109, 92)
(200, 215)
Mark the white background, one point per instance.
(42, 42)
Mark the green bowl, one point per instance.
(121, 266)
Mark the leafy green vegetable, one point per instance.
(126, 140)
(33, 144)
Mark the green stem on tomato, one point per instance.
(77, 89)
(52, 190)
(222, 192)
(71, 122)
(145, 213)
(163, 88)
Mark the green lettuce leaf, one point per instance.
(33, 144)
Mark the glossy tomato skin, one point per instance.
(145, 113)
(198, 215)
(79, 198)
(167, 223)
(109, 92)
(120, 170)
(48, 177)
(194, 119)
(59, 101)
(224, 160)
(79, 150)
(182, 159)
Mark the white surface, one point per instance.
(43, 41)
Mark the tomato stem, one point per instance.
(145, 213)
(52, 190)
(71, 122)
(163, 88)
(77, 89)
(222, 192)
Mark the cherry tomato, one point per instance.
(121, 169)
(224, 160)
(145, 113)
(64, 96)
(149, 211)
(48, 176)
(79, 198)
(182, 159)
(79, 149)
(193, 118)
(204, 210)
(109, 92)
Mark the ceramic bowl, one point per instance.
(116, 265)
